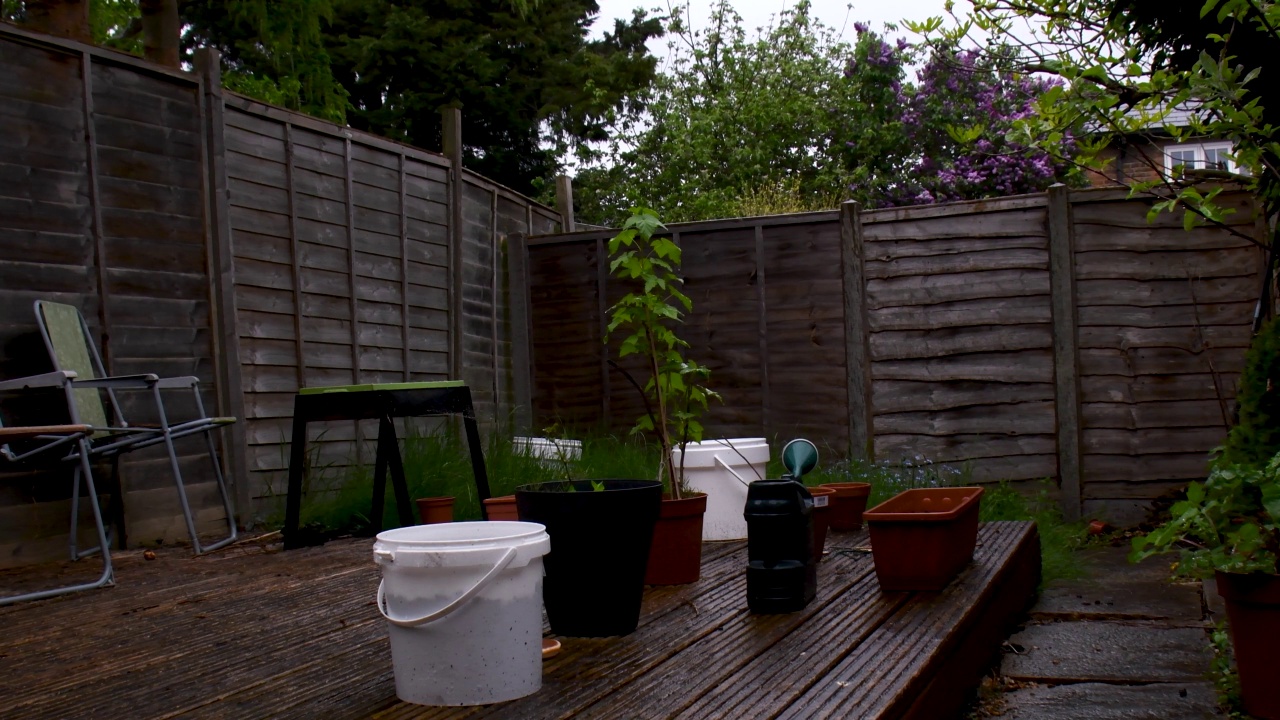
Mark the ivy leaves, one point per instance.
(1229, 523)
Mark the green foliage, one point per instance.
(1126, 64)
(530, 86)
(1059, 540)
(274, 50)
(1256, 435)
(1230, 522)
(674, 395)
(437, 464)
(780, 198)
(798, 118)
(729, 114)
(115, 24)
(1225, 678)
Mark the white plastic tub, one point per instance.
(551, 451)
(463, 603)
(722, 469)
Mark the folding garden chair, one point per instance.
(54, 444)
(71, 347)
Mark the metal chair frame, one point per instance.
(65, 443)
(108, 441)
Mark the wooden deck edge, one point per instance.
(975, 645)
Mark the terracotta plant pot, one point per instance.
(1253, 616)
(501, 508)
(921, 539)
(848, 504)
(435, 510)
(599, 551)
(675, 557)
(821, 516)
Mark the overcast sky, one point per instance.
(756, 13)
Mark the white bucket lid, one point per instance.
(460, 543)
(731, 451)
(546, 442)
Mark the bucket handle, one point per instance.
(732, 472)
(503, 562)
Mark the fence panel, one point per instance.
(1164, 322)
(103, 206)
(953, 332)
(342, 272)
(961, 338)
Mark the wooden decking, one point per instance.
(257, 633)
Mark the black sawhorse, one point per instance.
(383, 402)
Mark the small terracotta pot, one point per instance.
(1253, 615)
(848, 504)
(821, 517)
(675, 557)
(501, 508)
(435, 510)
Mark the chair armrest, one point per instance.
(186, 381)
(51, 379)
(37, 431)
(119, 382)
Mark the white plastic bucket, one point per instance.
(549, 450)
(463, 603)
(722, 469)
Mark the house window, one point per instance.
(1191, 156)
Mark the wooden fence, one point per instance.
(312, 308)
(202, 233)
(1056, 335)
(102, 206)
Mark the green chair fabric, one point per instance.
(71, 352)
(370, 387)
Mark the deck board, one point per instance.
(254, 632)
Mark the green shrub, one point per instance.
(1256, 437)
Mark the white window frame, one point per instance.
(1199, 152)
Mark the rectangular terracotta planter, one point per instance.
(921, 539)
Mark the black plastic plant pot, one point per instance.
(599, 549)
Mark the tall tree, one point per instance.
(530, 86)
(799, 119)
(729, 115)
(1126, 64)
(63, 18)
(161, 28)
(274, 50)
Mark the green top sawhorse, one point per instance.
(382, 402)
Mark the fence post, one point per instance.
(857, 332)
(222, 277)
(1066, 355)
(602, 309)
(521, 330)
(451, 131)
(762, 330)
(564, 203)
